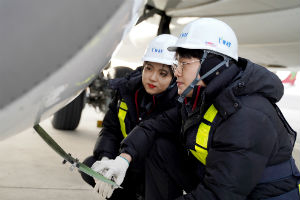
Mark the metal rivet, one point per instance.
(236, 105)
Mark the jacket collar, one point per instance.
(219, 92)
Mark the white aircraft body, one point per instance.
(51, 50)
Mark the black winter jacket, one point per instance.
(142, 111)
(246, 136)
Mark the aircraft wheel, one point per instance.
(121, 71)
(69, 116)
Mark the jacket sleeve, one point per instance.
(110, 137)
(141, 138)
(235, 163)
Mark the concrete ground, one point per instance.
(30, 169)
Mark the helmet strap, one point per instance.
(204, 56)
(225, 61)
(196, 80)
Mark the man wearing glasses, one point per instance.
(237, 143)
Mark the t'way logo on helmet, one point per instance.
(157, 50)
(183, 35)
(224, 42)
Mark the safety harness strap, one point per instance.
(280, 171)
(121, 115)
(202, 136)
(291, 195)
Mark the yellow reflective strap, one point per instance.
(121, 115)
(202, 135)
(211, 113)
(299, 188)
(200, 154)
(123, 105)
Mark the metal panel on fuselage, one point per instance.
(51, 50)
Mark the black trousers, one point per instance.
(170, 170)
(133, 184)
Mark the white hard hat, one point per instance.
(157, 50)
(210, 34)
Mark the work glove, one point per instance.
(97, 163)
(98, 182)
(114, 170)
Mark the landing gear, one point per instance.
(69, 116)
(98, 95)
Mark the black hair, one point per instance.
(170, 69)
(194, 53)
(189, 53)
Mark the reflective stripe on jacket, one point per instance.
(202, 136)
(121, 115)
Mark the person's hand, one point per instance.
(111, 169)
(103, 190)
(97, 163)
(101, 184)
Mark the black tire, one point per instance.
(121, 71)
(69, 116)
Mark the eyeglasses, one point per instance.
(180, 65)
